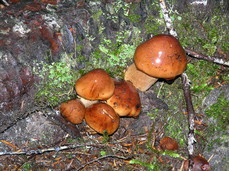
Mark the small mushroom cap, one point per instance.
(200, 164)
(125, 100)
(102, 117)
(162, 56)
(73, 111)
(167, 143)
(95, 85)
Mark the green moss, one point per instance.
(218, 123)
(219, 113)
(149, 166)
(204, 34)
(113, 55)
(27, 166)
(175, 120)
(134, 18)
(201, 83)
(56, 85)
(153, 25)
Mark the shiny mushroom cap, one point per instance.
(95, 85)
(162, 56)
(102, 117)
(125, 100)
(73, 111)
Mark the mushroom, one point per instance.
(199, 164)
(73, 111)
(101, 117)
(125, 100)
(95, 85)
(162, 56)
(167, 143)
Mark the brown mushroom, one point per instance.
(167, 143)
(162, 56)
(102, 117)
(73, 111)
(199, 164)
(95, 85)
(125, 100)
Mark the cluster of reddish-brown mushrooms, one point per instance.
(103, 100)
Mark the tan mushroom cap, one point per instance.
(95, 85)
(162, 56)
(125, 100)
(102, 117)
(73, 111)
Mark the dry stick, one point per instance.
(207, 58)
(186, 87)
(5, 2)
(41, 151)
(191, 115)
(168, 21)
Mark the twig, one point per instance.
(186, 87)
(41, 151)
(207, 58)
(191, 115)
(168, 21)
(100, 158)
(5, 2)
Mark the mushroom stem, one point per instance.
(139, 79)
(87, 102)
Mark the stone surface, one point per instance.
(36, 130)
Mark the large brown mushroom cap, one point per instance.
(102, 117)
(162, 56)
(125, 100)
(95, 85)
(73, 111)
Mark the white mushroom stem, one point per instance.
(87, 102)
(139, 79)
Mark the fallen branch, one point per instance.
(186, 88)
(207, 58)
(191, 116)
(41, 151)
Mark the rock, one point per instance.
(214, 94)
(35, 130)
